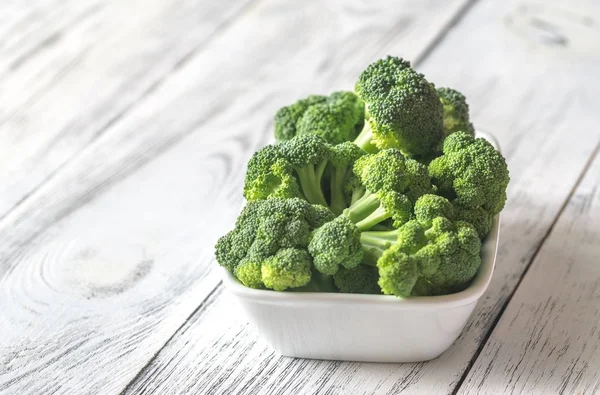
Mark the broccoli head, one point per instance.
(336, 244)
(336, 118)
(288, 268)
(385, 186)
(456, 112)
(481, 219)
(361, 279)
(287, 117)
(268, 236)
(471, 173)
(402, 109)
(269, 175)
(433, 253)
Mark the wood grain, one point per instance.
(548, 341)
(539, 101)
(71, 69)
(104, 262)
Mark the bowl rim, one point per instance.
(467, 296)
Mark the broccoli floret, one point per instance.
(444, 255)
(402, 109)
(361, 279)
(288, 268)
(432, 252)
(471, 173)
(456, 112)
(267, 234)
(306, 167)
(390, 170)
(480, 219)
(386, 186)
(309, 155)
(430, 206)
(269, 175)
(335, 244)
(343, 157)
(287, 117)
(336, 118)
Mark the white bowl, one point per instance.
(370, 328)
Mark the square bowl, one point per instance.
(369, 328)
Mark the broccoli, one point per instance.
(336, 118)
(268, 246)
(456, 112)
(361, 279)
(335, 244)
(471, 173)
(287, 117)
(480, 219)
(270, 175)
(342, 159)
(309, 155)
(306, 167)
(402, 109)
(433, 253)
(386, 186)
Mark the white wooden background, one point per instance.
(124, 131)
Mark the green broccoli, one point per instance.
(387, 184)
(336, 244)
(342, 159)
(287, 117)
(402, 109)
(456, 112)
(361, 279)
(336, 118)
(481, 219)
(288, 268)
(437, 254)
(309, 155)
(269, 175)
(471, 173)
(306, 167)
(268, 246)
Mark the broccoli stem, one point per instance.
(375, 243)
(367, 212)
(362, 208)
(338, 179)
(310, 182)
(377, 216)
(357, 193)
(364, 139)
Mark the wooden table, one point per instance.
(124, 131)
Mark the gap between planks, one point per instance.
(557, 217)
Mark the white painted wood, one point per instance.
(104, 262)
(540, 102)
(70, 69)
(547, 341)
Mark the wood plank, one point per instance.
(526, 93)
(70, 69)
(548, 341)
(103, 263)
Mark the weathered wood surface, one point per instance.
(548, 341)
(538, 99)
(109, 249)
(71, 69)
(105, 261)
